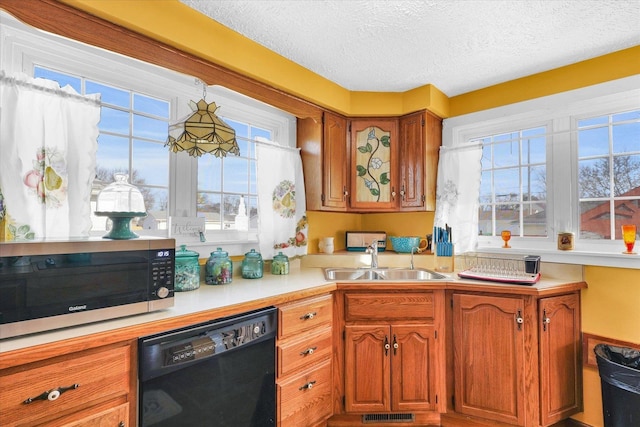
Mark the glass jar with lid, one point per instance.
(219, 268)
(252, 265)
(280, 264)
(187, 270)
(120, 202)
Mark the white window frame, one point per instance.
(23, 47)
(561, 113)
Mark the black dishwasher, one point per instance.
(219, 373)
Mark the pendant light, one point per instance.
(203, 132)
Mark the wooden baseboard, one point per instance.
(589, 341)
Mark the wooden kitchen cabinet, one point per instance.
(374, 164)
(419, 147)
(517, 359)
(304, 359)
(390, 352)
(370, 165)
(92, 387)
(324, 152)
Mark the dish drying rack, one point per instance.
(498, 269)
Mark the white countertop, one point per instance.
(303, 277)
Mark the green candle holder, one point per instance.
(121, 229)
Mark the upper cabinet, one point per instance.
(371, 164)
(419, 147)
(374, 164)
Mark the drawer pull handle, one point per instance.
(307, 386)
(308, 316)
(51, 395)
(308, 351)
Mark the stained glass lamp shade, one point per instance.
(203, 132)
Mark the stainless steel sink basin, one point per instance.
(385, 274)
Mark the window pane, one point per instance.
(534, 183)
(209, 173)
(112, 120)
(150, 164)
(508, 218)
(62, 79)
(535, 219)
(486, 156)
(593, 178)
(595, 220)
(506, 154)
(534, 150)
(209, 207)
(507, 185)
(626, 137)
(145, 127)
(113, 153)
(593, 142)
(235, 176)
(110, 95)
(157, 202)
(152, 106)
(626, 175)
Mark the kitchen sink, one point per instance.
(383, 274)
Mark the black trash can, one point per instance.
(619, 369)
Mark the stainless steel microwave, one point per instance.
(55, 284)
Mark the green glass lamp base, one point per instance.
(120, 229)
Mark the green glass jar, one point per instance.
(187, 276)
(280, 264)
(219, 269)
(252, 265)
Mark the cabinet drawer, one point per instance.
(99, 376)
(389, 306)
(305, 399)
(303, 315)
(296, 354)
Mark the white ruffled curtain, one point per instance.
(457, 194)
(48, 142)
(281, 201)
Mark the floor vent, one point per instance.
(387, 418)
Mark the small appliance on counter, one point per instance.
(47, 285)
(357, 241)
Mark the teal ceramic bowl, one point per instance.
(405, 244)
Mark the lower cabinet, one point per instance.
(304, 355)
(517, 359)
(389, 368)
(89, 388)
(390, 354)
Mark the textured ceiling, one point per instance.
(456, 45)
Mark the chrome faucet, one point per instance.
(373, 250)
(411, 267)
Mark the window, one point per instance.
(567, 162)
(139, 101)
(608, 174)
(222, 182)
(133, 129)
(513, 184)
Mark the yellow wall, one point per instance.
(610, 305)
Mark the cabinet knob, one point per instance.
(308, 351)
(307, 386)
(519, 320)
(308, 316)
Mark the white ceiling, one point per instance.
(456, 45)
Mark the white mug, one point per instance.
(326, 245)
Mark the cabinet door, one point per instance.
(367, 368)
(489, 357)
(560, 358)
(412, 368)
(374, 150)
(335, 165)
(411, 161)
